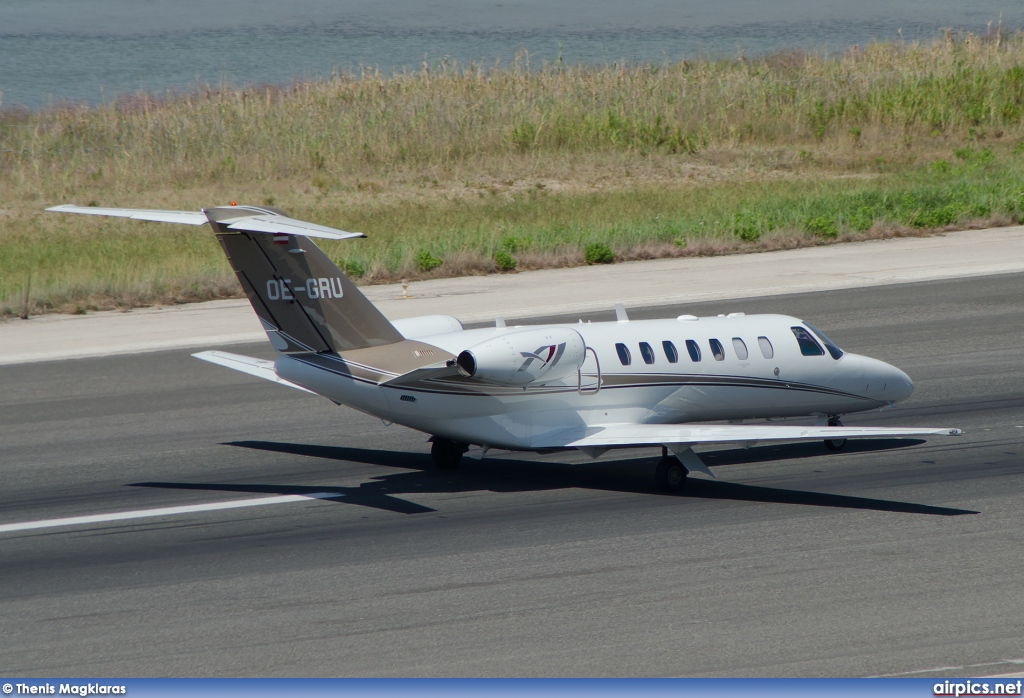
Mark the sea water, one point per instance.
(91, 51)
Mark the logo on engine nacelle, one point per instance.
(321, 287)
(547, 355)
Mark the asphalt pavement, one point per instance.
(892, 557)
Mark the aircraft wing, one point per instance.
(748, 435)
(261, 368)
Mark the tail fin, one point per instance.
(306, 303)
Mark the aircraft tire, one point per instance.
(446, 454)
(835, 444)
(670, 475)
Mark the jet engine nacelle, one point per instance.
(527, 356)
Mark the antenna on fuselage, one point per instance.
(620, 313)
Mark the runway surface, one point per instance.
(887, 558)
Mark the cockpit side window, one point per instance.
(623, 351)
(740, 347)
(647, 353)
(717, 349)
(693, 350)
(670, 352)
(808, 345)
(767, 351)
(833, 351)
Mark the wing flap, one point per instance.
(261, 368)
(693, 434)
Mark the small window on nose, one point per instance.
(808, 346)
(833, 351)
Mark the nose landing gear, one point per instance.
(835, 444)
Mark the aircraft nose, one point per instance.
(878, 380)
(897, 385)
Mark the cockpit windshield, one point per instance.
(834, 351)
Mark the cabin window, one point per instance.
(670, 352)
(717, 349)
(740, 348)
(808, 345)
(623, 351)
(693, 350)
(647, 352)
(766, 347)
(834, 351)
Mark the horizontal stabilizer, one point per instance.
(748, 435)
(261, 368)
(249, 219)
(285, 225)
(184, 217)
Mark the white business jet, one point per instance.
(590, 386)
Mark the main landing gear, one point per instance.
(835, 444)
(670, 475)
(446, 453)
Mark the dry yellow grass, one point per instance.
(457, 162)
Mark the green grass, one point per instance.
(467, 171)
(135, 262)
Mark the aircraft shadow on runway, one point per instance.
(511, 475)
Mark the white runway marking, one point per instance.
(165, 511)
(966, 670)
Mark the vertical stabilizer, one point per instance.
(303, 299)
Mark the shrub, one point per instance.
(598, 253)
(746, 227)
(524, 136)
(861, 219)
(504, 261)
(936, 217)
(821, 226)
(427, 262)
(516, 243)
(353, 268)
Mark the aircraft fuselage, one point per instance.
(678, 371)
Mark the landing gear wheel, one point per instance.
(835, 444)
(670, 475)
(445, 453)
